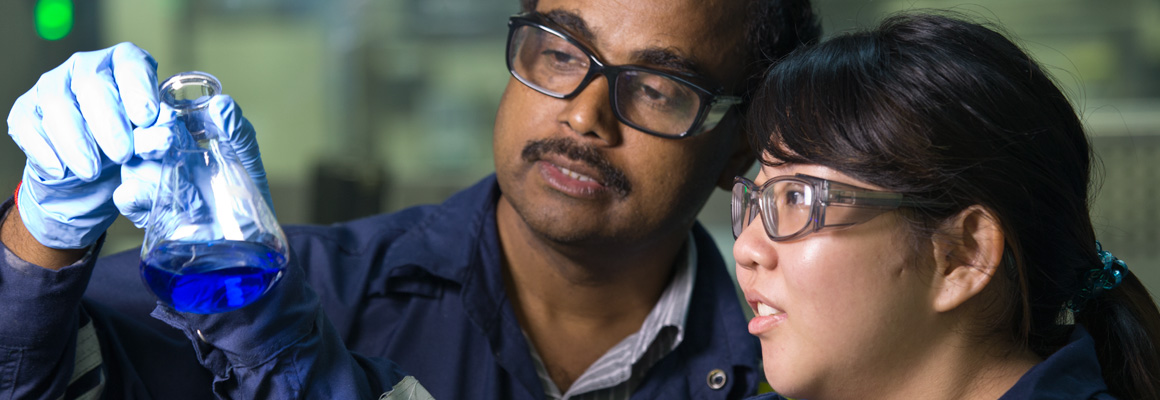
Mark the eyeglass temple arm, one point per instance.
(856, 206)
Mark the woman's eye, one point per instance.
(794, 198)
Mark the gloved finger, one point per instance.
(152, 142)
(100, 104)
(63, 124)
(135, 72)
(227, 114)
(243, 139)
(134, 197)
(24, 126)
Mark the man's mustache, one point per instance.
(610, 177)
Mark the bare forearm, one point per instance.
(17, 238)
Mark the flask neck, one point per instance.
(189, 93)
(198, 124)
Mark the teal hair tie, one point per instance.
(1113, 272)
(1099, 280)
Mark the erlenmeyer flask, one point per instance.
(211, 244)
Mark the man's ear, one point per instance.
(741, 157)
(968, 250)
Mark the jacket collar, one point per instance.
(455, 236)
(1073, 371)
(717, 322)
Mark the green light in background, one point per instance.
(54, 18)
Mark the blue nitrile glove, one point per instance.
(75, 126)
(140, 175)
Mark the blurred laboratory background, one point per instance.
(369, 106)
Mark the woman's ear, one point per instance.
(968, 250)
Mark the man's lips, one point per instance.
(577, 163)
(577, 176)
(567, 181)
(574, 169)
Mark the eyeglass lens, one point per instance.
(785, 206)
(555, 66)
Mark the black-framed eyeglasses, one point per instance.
(795, 206)
(654, 102)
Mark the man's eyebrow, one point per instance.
(572, 23)
(653, 56)
(669, 60)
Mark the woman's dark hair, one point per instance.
(937, 107)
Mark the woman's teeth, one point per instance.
(765, 311)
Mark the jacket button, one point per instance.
(717, 379)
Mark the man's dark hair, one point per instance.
(774, 28)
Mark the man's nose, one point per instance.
(589, 114)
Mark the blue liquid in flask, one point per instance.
(211, 277)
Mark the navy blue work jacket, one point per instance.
(424, 288)
(1072, 372)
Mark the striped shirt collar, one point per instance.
(617, 372)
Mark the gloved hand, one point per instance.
(75, 126)
(140, 175)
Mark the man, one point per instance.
(577, 271)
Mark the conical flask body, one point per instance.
(212, 243)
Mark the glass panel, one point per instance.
(548, 61)
(792, 200)
(655, 102)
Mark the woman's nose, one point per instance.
(753, 248)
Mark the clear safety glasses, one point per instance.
(654, 102)
(795, 206)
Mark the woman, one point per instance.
(919, 228)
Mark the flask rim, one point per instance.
(176, 90)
